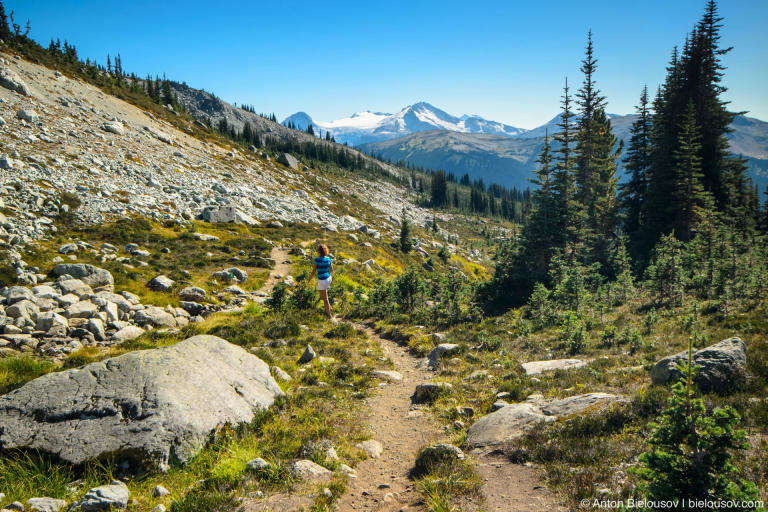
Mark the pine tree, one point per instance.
(167, 94)
(541, 236)
(602, 213)
(439, 189)
(693, 77)
(406, 243)
(566, 209)
(764, 216)
(589, 101)
(690, 195)
(632, 194)
(692, 450)
(5, 30)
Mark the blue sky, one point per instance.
(505, 60)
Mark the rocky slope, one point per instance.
(118, 160)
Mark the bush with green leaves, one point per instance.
(692, 450)
(278, 299)
(303, 298)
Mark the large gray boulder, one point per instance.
(152, 407)
(514, 420)
(155, 316)
(226, 214)
(90, 275)
(10, 80)
(538, 367)
(288, 161)
(722, 366)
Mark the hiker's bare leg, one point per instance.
(326, 303)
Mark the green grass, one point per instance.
(448, 484)
(323, 402)
(15, 371)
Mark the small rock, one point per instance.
(308, 355)
(45, 504)
(371, 447)
(429, 391)
(288, 161)
(161, 283)
(391, 376)
(308, 470)
(192, 294)
(159, 491)
(28, 115)
(115, 127)
(105, 497)
(68, 248)
(257, 464)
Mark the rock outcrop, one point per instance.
(721, 366)
(153, 407)
(513, 420)
(288, 161)
(11, 80)
(538, 367)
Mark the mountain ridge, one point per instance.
(510, 161)
(367, 126)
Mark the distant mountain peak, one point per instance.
(367, 126)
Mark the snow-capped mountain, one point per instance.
(368, 126)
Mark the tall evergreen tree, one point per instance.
(5, 30)
(589, 102)
(566, 209)
(405, 243)
(541, 234)
(439, 189)
(694, 77)
(633, 193)
(690, 195)
(602, 212)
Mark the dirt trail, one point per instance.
(383, 483)
(282, 269)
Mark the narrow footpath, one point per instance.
(403, 428)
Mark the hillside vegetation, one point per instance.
(525, 333)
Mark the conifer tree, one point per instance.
(632, 194)
(590, 101)
(439, 189)
(540, 233)
(566, 209)
(690, 195)
(692, 450)
(602, 212)
(5, 30)
(167, 95)
(405, 243)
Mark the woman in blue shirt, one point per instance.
(323, 269)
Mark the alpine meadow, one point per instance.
(206, 309)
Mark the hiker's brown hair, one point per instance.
(322, 249)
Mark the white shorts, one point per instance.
(324, 284)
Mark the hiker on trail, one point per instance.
(323, 269)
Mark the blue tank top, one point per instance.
(323, 264)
